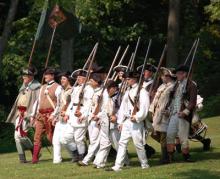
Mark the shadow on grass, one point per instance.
(196, 173)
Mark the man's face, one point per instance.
(165, 78)
(120, 75)
(93, 83)
(81, 80)
(181, 75)
(112, 91)
(147, 74)
(131, 81)
(48, 77)
(64, 81)
(27, 79)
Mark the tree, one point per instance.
(7, 28)
(173, 33)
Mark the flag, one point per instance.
(56, 17)
(42, 20)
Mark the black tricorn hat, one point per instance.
(183, 68)
(50, 70)
(65, 74)
(79, 72)
(31, 70)
(131, 74)
(111, 84)
(119, 68)
(96, 77)
(148, 67)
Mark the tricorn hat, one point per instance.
(79, 72)
(166, 71)
(148, 67)
(32, 71)
(183, 68)
(65, 74)
(131, 74)
(96, 77)
(111, 84)
(50, 70)
(119, 68)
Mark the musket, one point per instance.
(88, 60)
(124, 83)
(191, 65)
(140, 82)
(190, 52)
(135, 52)
(81, 94)
(99, 100)
(155, 80)
(114, 76)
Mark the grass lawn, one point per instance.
(207, 164)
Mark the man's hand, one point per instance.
(133, 119)
(62, 113)
(120, 127)
(95, 117)
(181, 115)
(65, 118)
(51, 118)
(80, 119)
(113, 119)
(78, 113)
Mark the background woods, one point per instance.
(112, 23)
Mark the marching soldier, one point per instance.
(78, 119)
(148, 75)
(61, 125)
(46, 110)
(149, 71)
(183, 102)
(157, 107)
(109, 133)
(132, 126)
(94, 123)
(120, 69)
(21, 111)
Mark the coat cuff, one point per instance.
(186, 111)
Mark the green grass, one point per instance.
(207, 164)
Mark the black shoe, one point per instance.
(206, 144)
(187, 158)
(22, 158)
(149, 150)
(178, 148)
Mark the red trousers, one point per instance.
(43, 126)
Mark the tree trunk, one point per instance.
(7, 28)
(66, 61)
(173, 33)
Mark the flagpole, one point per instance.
(49, 51)
(32, 51)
